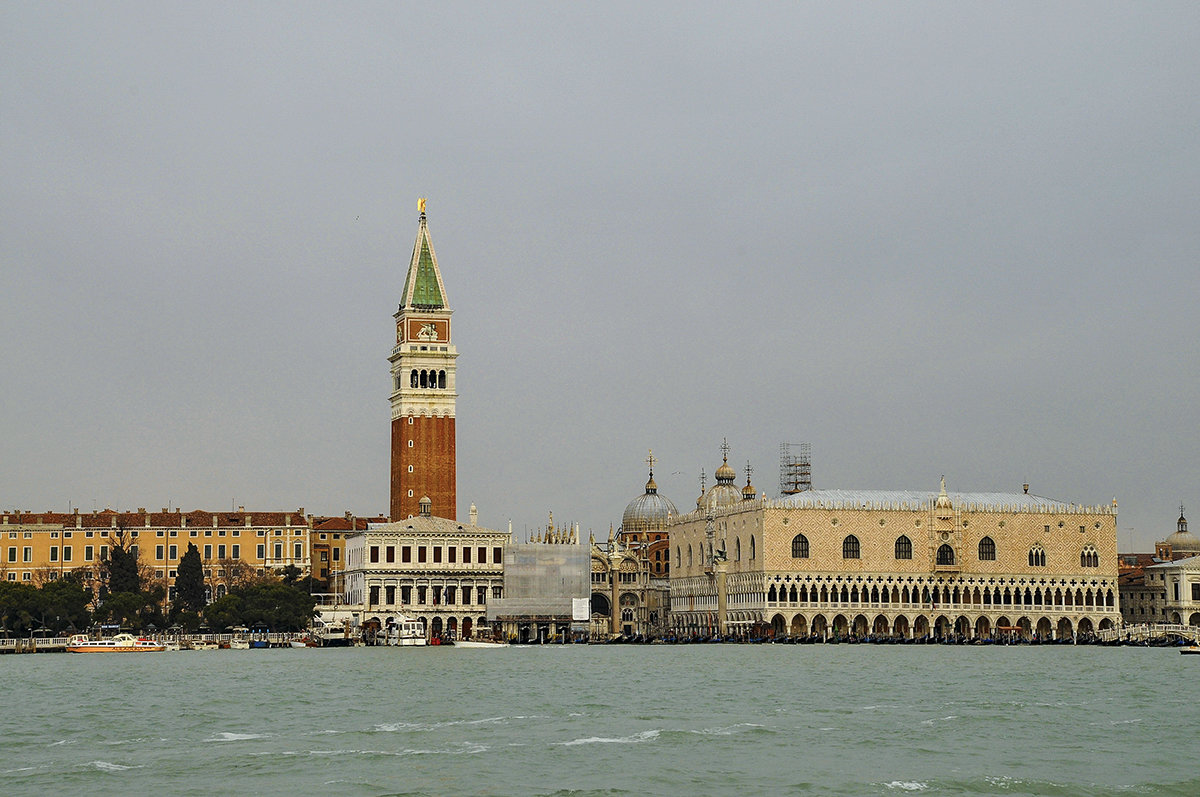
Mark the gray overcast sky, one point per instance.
(952, 239)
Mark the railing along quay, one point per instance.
(1143, 632)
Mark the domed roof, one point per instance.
(649, 511)
(724, 492)
(1183, 541)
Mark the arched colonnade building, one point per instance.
(902, 564)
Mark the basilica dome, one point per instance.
(649, 511)
(724, 492)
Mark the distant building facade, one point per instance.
(894, 563)
(437, 570)
(1163, 587)
(630, 571)
(38, 547)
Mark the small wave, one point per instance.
(236, 737)
(940, 719)
(906, 785)
(644, 736)
(397, 727)
(108, 766)
(61, 741)
(728, 730)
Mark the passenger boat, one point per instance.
(121, 643)
(239, 644)
(1190, 650)
(203, 644)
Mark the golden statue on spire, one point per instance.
(421, 205)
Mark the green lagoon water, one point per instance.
(605, 720)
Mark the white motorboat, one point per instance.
(403, 631)
(480, 643)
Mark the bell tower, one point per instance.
(423, 389)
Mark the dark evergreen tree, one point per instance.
(121, 567)
(290, 574)
(189, 581)
(65, 602)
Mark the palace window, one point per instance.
(851, 548)
(497, 556)
(987, 550)
(374, 554)
(1089, 557)
(799, 548)
(945, 555)
(1037, 556)
(903, 547)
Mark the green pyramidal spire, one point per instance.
(423, 287)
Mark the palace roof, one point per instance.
(922, 499)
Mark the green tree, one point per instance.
(121, 568)
(189, 582)
(290, 574)
(224, 612)
(65, 602)
(19, 609)
(278, 606)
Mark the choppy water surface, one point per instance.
(688, 720)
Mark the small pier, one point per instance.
(34, 645)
